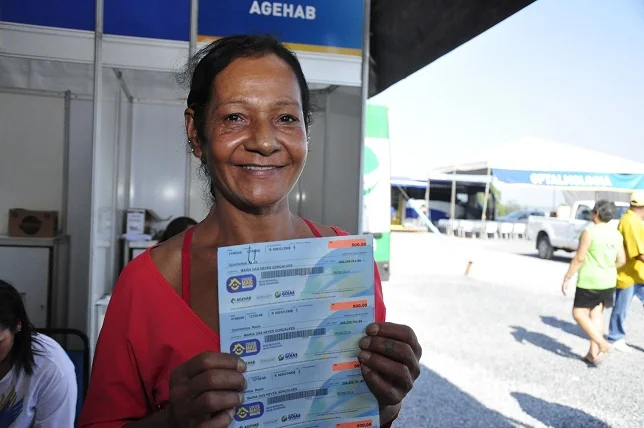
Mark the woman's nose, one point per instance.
(263, 139)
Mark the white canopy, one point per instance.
(535, 154)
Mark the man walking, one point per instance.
(630, 277)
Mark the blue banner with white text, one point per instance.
(327, 26)
(569, 179)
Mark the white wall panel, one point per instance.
(158, 159)
(79, 211)
(311, 184)
(31, 160)
(342, 167)
(200, 200)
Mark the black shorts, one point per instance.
(590, 298)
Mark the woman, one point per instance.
(600, 253)
(176, 226)
(157, 362)
(37, 378)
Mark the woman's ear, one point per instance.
(19, 326)
(191, 131)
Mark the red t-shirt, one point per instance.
(148, 331)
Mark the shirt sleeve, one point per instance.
(633, 239)
(116, 395)
(56, 404)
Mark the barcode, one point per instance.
(297, 395)
(271, 274)
(303, 334)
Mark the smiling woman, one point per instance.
(157, 360)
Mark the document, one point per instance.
(295, 311)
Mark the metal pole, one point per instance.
(487, 195)
(66, 142)
(452, 207)
(194, 32)
(96, 138)
(366, 59)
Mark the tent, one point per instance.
(538, 163)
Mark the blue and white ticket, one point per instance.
(295, 311)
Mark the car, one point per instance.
(521, 216)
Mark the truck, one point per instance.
(563, 232)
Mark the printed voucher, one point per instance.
(295, 311)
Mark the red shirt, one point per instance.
(148, 331)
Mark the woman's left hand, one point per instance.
(390, 361)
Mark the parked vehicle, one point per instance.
(563, 232)
(521, 216)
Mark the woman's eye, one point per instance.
(287, 118)
(233, 117)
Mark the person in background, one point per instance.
(37, 379)
(599, 255)
(177, 226)
(630, 278)
(158, 361)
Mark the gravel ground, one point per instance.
(500, 346)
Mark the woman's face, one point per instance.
(6, 343)
(256, 139)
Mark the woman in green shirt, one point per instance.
(600, 253)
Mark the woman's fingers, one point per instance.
(398, 332)
(221, 419)
(217, 379)
(394, 351)
(215, 401)
(396, 374)
(383, 390)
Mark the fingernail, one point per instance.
(364, 342)
(245, 385)
(364, 369)
(241, 366)
(231, 412)
(364, 356)
(373, 329)
(241, 398)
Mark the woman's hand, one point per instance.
(564, 285)
(390, 362)
(205, 391)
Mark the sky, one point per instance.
(570, 71)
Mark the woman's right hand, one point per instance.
(205, 391)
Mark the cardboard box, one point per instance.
(33, 224)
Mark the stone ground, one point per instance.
(500, 346)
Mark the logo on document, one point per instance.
(245, 348)
(287, 356)
(291, 417)
(245, 299)
(249, 411)
(284, 293)
(237, 284)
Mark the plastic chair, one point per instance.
(491, 228)
(506, 230)
(519, 230)
(79, 357)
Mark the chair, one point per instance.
(443, 225)
(506, 230)
(491, 228)
(79, 357)
(466, 227)
(519, 230)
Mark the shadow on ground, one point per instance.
(556, 415)
(547, 343)
(566, 326)
(555, 258)
(436, 402)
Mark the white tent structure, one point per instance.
(538, 163)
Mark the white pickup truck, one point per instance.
(563, 232)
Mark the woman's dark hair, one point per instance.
(605, 210)
(176, 226)
(211, 60)
(12, 310)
